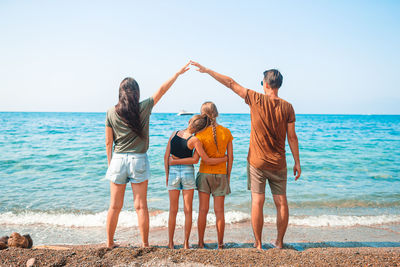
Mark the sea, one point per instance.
(52, 169)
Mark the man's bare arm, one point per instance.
(294, 147)
(225, 80)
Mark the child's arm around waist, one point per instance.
(195, 143)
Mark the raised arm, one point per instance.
(225, 80)
(109, 143)
(165, 86)
(230, 160)
(294, 147)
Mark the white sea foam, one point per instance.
(126, 219)
(129, 219)
(336, 220)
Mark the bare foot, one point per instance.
(277, 244)
(257, 245)
(186, 245)
(112, 245)
(221, 246)
(145, 245)
(201, 244)
(171, 245)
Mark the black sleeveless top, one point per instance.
(179, 147)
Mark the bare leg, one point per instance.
(116, 202)
(173, 210)
(188, 207)
(257, 217)
(204, 203)
(140, 204)
(282, 218)
(220, 216)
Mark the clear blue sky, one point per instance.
(335, 56)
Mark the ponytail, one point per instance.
(210, 110)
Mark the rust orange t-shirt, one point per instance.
(269, 122)
(206, 137)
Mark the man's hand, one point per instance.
(201, 68)
(225, 80)
(297, 169)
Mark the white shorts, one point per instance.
(128, 167)
(181, 177)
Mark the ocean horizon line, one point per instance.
(234, 113)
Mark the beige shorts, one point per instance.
(215, 184)
(257, 179)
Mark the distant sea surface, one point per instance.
(52, 168)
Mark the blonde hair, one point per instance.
(209, 109)
(198, 123)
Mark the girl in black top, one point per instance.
(181, 144)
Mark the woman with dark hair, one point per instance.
(127, 127)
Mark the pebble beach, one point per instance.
(95, 255)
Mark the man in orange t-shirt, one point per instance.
(272, 119)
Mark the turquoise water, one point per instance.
(52, 168)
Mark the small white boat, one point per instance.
(184, 112)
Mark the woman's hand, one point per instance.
(166, 85)
(184, 69)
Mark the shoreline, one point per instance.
(236, 233)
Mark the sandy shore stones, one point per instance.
(3, 245)
(3, 242)
(16, 240)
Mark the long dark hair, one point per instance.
(128, 104)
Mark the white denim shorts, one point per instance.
(128, 167)
(181, 177)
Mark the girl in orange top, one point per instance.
(213, 179)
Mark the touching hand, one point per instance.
(297, 169)
(184, 69)
(201, 68)
(171, 161)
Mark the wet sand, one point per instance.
(234, 233)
